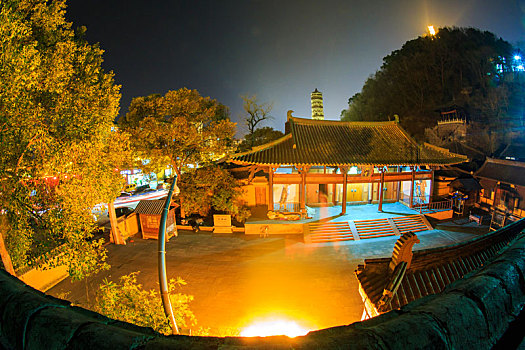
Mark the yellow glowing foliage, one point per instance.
(180, 128)
(57, 108)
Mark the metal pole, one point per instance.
(163, 279)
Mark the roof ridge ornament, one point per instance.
(401, 259)
(403, 249)
(289, 114)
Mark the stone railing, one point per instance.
(471, 313)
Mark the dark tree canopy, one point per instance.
(212, 188)
(457, 66)
(255, 114)
(259, 137)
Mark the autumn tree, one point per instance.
(255, 113)
(181, 129)
(58, 154)
(186, 131)
(457, 66)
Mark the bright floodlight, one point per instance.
(273, 327)
(517, 57)
(431, 30)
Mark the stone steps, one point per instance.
(365, 229)
(330, 232)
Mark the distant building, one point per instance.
(452, 127)
(503, 193)
(317, 105)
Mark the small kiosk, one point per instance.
(150, 212)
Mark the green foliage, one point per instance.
(457, 66)
(259, 137)
(212, 187)
(59, 156)
(127, 301)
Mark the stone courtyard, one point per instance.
(237, 279)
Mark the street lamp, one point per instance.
(163, 279)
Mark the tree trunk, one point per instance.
(6, 259)
(117, 238)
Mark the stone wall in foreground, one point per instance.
(472, 313)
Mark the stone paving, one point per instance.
(237, 279)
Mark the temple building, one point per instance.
(324, 162)
(503, 190)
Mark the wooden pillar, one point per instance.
(381, 184)
(398, 185)
(334, 189)
(431, 193)
(270, 188)
(411, 200)
(117, 239)
(370, 172)
(182, 212)
(6, 259)
(345, 179)
(302, 192)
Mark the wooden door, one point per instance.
(260, 195)
(355, 193)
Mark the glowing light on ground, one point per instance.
(274, 327)
(431, 30)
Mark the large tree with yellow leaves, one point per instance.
(58, 154)
(181, 129)
(188, 132)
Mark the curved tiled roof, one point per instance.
(507, 171)
(151, 207)
(431, 270)
(336, 143)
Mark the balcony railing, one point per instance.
(433, 206)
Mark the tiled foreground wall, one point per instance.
(472, 313)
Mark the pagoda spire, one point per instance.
(317, 105)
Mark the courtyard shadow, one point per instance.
(399, 213)
(329, 218)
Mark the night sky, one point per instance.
(279, 50)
